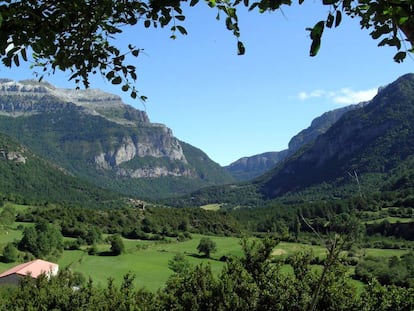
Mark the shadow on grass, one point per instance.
(107, 253)
(5, 260)
(198, 256)
(223, 258)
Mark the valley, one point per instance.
(91, 184)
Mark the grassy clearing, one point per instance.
(377, 252)
(18, 207)
(148, 260)
(390, 219)
(285, 249)
(211, 207)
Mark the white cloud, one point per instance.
(348, 96)
(313, 94)
(345, 96)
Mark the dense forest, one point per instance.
(252, 282)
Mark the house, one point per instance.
(33, 268)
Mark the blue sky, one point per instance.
(232, 106)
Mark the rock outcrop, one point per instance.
(94, 135)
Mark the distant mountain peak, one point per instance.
(32, 96)
(372, 140)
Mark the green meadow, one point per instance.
(148, 260)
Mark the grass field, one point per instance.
(211, 207)
(391, 220)
(148, 260)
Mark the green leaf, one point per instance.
(182, 30)
(125, 87)
(253, 6)
(317, 30)
(117, 80)
(315, 46)
(135, 53)
(240, 48)
(403, 19)
(110, 75)
(229, 23)
(400, 56)
(193, 2)
(16, 59)
(7, 61)
(231, 12)
(180, 17)
(338, 18)
(328, 2)
(330, 21)
(147, 23)
(24, 56)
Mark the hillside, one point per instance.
(26, 178)
(96, 137)
(248, 168)
(364, 146)
(368, 151)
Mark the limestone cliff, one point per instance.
(94, 135)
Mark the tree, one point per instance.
(10, 253)
(179, 264)
(207, 246)
(7, 215)
(77, 36)
(44, 240)
(117, 246)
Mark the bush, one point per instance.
(10, 253)
(207, 246)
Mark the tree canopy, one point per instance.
(78, 36)
(207, 246)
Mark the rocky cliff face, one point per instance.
(94, 135)
(319, 126)
(16, 156)
(29, 97)
(250, 167)
(372, 140)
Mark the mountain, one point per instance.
(96, 137)
(248, 168)
(368, 151)
(27, 178)
(363, 147)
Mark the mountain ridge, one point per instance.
(98, 138)
(373, 139)
(247, 168)
(368, 151)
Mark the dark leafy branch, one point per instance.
(78, 36)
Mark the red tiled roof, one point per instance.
(34, 268)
